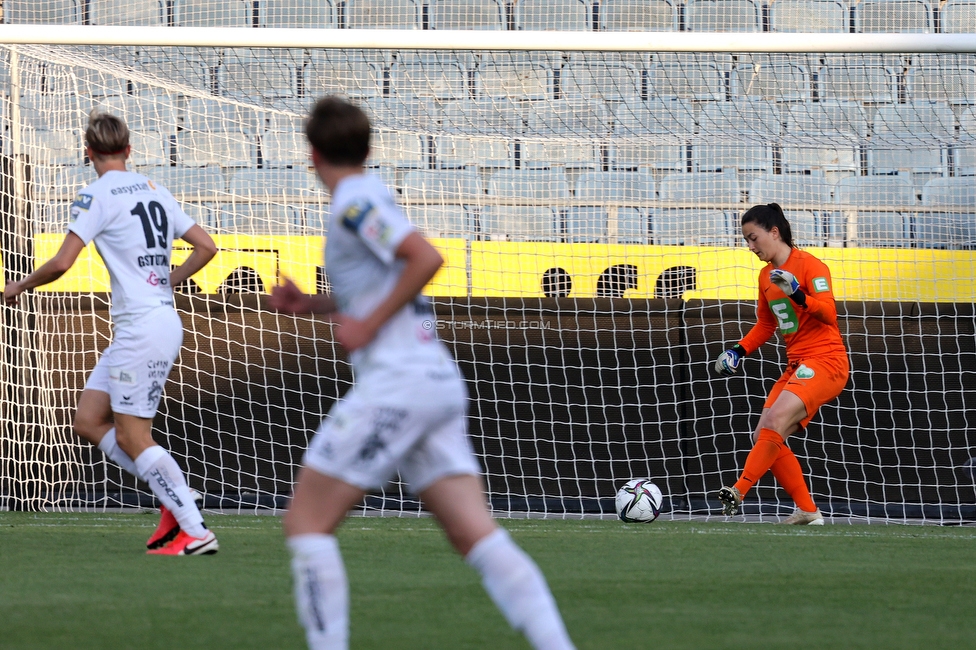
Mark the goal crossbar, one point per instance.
(486, 40)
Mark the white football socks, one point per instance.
(167, 482)
(519, 589)
(110, 447)
(321, 590)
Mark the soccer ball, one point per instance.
(639, 501)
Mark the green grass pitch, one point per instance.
(81, 581)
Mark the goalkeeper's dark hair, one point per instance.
(107, 134)
(767, 217)
(339, 131)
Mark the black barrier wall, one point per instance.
(570, 398)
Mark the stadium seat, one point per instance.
(462, 150)
(654, 116)
(450, 221)
(397, 149)
(260, 74)
(952, 79)
(466, 14)
(639, 15)
(429, 78)
(319, 14)
(694, 78)
(558, 150)
(918, 161)
(743, 117)
(221, 115)
(517, 81)
(144, 113)
(690, 227)
(920, 120)
(263, 218)
(589, 79)
(520, 223)
(55, 182)
(223, 148)
(806, 200)
(46, 12)
(723, 16)
(149, 148)
(661, 154)
(561, 15)
(458, 185)
(958, 17)
(484, 116)
(174, 66)
(859, 83)
(706, 187)
(834, 120)
(832, 16)
(151, 13)
(50, 112)
(773, 79)
(198, 189)
(606, 224)
(885, 227)
(534, 184)
(567, 117)
(212, 13)
(887, 16)
(748, 157)
(948, 228)
(348, 73)
(53, 147)
(402, 113)
(628, 187)
(275, 184)
(831, 159)
(284, 149)
(383, 14)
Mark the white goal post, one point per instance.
(584, 188)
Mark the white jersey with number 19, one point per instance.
(133, 222)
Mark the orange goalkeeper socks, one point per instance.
(760, 459)
(788, 473)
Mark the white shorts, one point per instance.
(133, 369)
(365, 443)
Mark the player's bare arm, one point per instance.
(288, 298)
(204, 250)
(422, 263)
(48, 272)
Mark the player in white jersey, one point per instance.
(407, 411)
(133, 223)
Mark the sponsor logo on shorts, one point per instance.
(123, 376)
(385, 422)
(804, 372)
(155, 391)
(157, 369)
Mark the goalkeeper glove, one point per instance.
(728, 362)
(787, 282)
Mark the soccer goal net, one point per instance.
(586, 202)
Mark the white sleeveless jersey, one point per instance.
(365, 229)
(133, 222)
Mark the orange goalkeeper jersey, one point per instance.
(809, 332)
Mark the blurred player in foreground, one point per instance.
(407, 410)
(133, 223)
(795, 296)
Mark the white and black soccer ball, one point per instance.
(639, 501)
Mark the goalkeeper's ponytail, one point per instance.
(767, 217)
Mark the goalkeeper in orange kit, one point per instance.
(795, 296)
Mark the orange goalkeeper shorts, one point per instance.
(816, 381)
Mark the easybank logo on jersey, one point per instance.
(155, 280)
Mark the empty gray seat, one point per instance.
(666, 116)
(149, 148)
(809, 16)
(484, 116)
(705, 187)
(517, 81)
(223, 148)
(222, 115)
(448, 221)
(833, 158)
(212, 13)
(711, 155)
(260, 75)
(559, 150)
(602, 224)
(282, 150)
(126, 12)
(466, 14)
(955, 225)
(860, 198)
(561, 15)
(639, 15)
(698, 79)
(429, 79)
(922, 120)
(600, 80)
(567, 117)
(47, 12)
(53, 147)
(347, 73)
(680, 227)
(919, 162)
(772, 79)
(723, 16)
(383, 14)
(958, 17)
(519, 223)
(397, 149)
(886, 16)
(436, 185)
(320, 14)
(833, 120)
(627, 187)
(860, 83)
(950, 80)
(743, 117)
(534, 184)
(462, 150)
